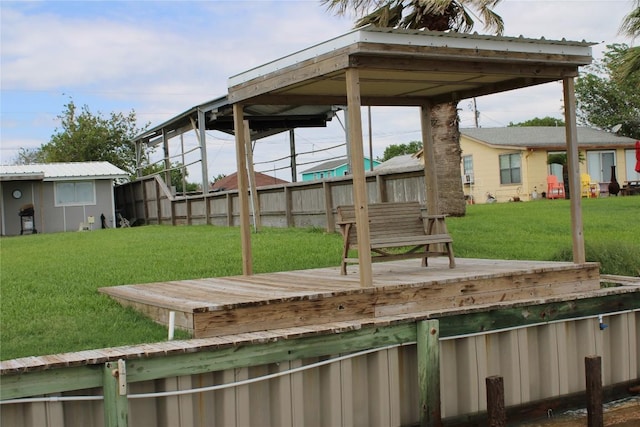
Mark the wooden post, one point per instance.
(593, 372)
(495, 402)
(360, 202)
(116, 405)
(328, 207)
(255, 200)
(243, 188)
(574, 169)
(428, 347)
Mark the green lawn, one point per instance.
(48, 282)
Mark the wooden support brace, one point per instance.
(116, 405)
(428, 338)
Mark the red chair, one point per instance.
(555, 189)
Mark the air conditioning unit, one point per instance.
(467, 179)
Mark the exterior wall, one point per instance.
(534, 171)
(486, 172)
(375, 389)
(335, 173)
(48, 217)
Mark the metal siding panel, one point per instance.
(260, 397)
(394, 381)
(243, 401)
(297, 394)
(360, 392)
(346, 390)
(378, 385)
(449, 378)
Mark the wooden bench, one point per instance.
(397, 231)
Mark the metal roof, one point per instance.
(328, 165)
(408, 67)
(264, 120)
(545, 137)
(61, 171)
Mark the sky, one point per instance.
(160, 58)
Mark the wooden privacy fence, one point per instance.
(383, 372)
(303, 204)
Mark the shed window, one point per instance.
(510, 169)
(70, 193)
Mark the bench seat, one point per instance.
(396, 231)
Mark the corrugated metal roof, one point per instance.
(545, 136)
(62, 171)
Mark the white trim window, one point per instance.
(75, 193)
(510, 168)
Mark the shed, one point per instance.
(392, 67)
(65, 196)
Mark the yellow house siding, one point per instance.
(486, 170)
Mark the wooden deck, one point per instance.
(229, 305)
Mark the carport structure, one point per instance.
(388, 67)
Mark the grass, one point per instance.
(48, 282)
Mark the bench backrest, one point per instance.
(397, 219)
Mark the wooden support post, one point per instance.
(497, 416)
(328, 207)
(593, 372)
(243, 188)
(288, 206)
(360, 202)
(574, 169)
(255, 199)
(116, 405)
(428, 338)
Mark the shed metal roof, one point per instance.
(264, 120)
(546, 137)
(61, 171)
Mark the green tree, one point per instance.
(29, 156)
(630, 63)
(537, 121)
(84, 136)
(394, 150)
(434, 15)
(606, 98)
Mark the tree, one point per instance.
(83, 137)
(606, 98)
(536, 121)
(434, 15)
(630, 63)
(394, 150)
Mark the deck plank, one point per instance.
(304, 298)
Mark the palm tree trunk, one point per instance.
(446, 135)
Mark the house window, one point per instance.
(73, 193)
(510, 169)
(467, 169)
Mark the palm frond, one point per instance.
(631, 23)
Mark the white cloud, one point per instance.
(161, 58)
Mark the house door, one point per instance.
(599, 165)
